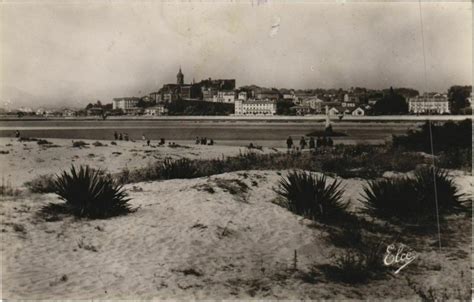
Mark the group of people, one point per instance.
(204, 141)
(312, 144)
(121, 136)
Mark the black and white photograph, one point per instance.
(236, 150)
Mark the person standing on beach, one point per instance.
(115, 135)
(325, 141)
(17, 134)
(302, 143)
(311, 143)
(120, 136)
(330, 142)
(289, 142)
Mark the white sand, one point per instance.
(185, 242)
(26, 160)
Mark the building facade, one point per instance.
(224, 97)
(255, 107)
(125, 104)
(159, 109)
(429, 104)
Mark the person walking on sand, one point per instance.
(115, 135)
(17, 134)
(302, 143)
(289, 142)
(120, 136)
(197, 140)
(148, 142)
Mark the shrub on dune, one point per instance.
(181, 168)
(89, 193)
(41, 184)
(413, 199)
(450, 201)
(312, 196)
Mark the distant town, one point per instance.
(221, 97)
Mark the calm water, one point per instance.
(270, 133)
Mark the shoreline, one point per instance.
(307, 118)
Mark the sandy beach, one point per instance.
(23, 161)
(187, 241)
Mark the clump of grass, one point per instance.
(346, 161)
(79, 144)
(89, 193)
(356, 265)
(367, 161)
(41, 184)
(312, 196)
(181, 168)
(233, 186)
(449, 135)
(6, 189)
(347, 236)
(43, 142)
(456, 159)
(28, 139)
(98, 144)
(413, 199)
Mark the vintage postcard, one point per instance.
(236, 150)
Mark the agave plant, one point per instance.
(448, 197)
(414, 199)
(89, 193)
(311, 196)
(390, 198)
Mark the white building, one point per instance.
(429, 103)
(333, 111)
(314, 103)
(156, 110)
(358, 112)
(125, 104)
(255, 107)
(348, 104)
(242, 95)
(224, 96)
(68, 113)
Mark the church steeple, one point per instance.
(180, 77)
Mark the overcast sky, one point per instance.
(74, 53)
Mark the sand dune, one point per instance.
(217, 237)
(188, 243)
(25, 160)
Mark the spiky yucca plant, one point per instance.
(89, 193)
(413, 199)
(450, 200)
(312, 196)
